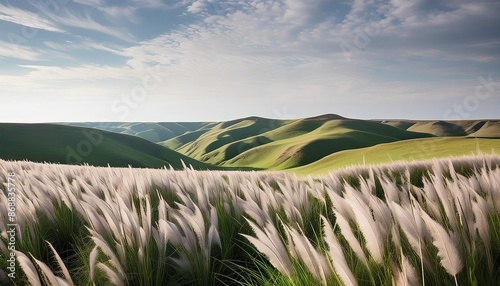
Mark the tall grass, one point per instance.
(433, 222)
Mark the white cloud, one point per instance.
(53, 74)
(27, 18)
(120, 13)
(197, 6)
(9, 50)
(279, 53)
(87, 22)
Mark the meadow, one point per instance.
(434, 222)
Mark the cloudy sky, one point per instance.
(206, 60)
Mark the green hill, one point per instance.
(152, 131)
(488, 129)
(77, 145)
(262, 143)
(208, 145)
(438, 128)
(281, 144)
(450, 128)
(408, 150)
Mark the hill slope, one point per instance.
(407, 150)
(473, 128)
(281, 144)
(77, 145)
(152, 131)
(262, 143)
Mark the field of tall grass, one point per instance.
(420, 223)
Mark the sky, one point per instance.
(214, 60)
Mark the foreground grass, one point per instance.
(434, 222)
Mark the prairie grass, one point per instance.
(428, 223)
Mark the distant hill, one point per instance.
(77, 145)
(406, 150)
(281, 144)
(472, 128)
(152, 131)
(313, 143)
(488, 129)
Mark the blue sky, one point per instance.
(207, 60)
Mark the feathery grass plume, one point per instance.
(270, 244)
(341, 205)
(367, 185)
(445, 197)
(427, 199)
(406, 276)
(252, 209)
(479, 209)
(195, 243)
(47, 276)
(381, 214)
(447, 245)
(100, 242)
(92, 261)
(370, 228)
(463, 202)
(60, 263)
(111, 274)
(337, 257)
(346, 231)
(392, 192)
(28, 268)
(303, 249)
(410, 221)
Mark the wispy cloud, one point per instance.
(85, 21)
(85, 44)
(93, 3)
(27, 18)
(9, 50)
(81, 73)
(282, 51)
(124, 9)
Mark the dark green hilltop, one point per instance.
(77, 145)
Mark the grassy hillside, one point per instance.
(438, 128)
(77, 145)
(474, 128)
(408, 150)
(488, 129)
(280, 144)
(262, 143)
(152, 131)
(215, 140)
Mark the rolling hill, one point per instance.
(472, 128)
(78, 145)
(315, 143)
(152, 131)
(407, 150)
(281, 144)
